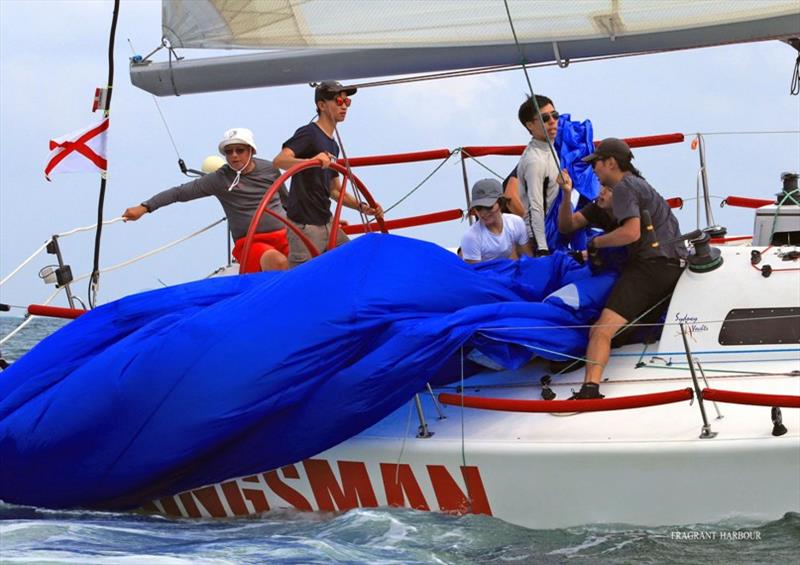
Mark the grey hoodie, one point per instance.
(239, 204)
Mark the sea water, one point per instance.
(37, 535)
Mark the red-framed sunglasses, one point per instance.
(343, 101)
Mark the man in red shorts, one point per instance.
(239, 186)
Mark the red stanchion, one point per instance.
(652, 140)
(744, 202)
(751, 398)
(594, 405)
(480, 151)
(55, 311)
(731, 239)
(675, 202)
(397, 158)
(642, 141)
(411, 221)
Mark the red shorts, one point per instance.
(262, 242)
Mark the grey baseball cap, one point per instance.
(610, 147)
(486, 192)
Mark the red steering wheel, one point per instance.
(262, 208)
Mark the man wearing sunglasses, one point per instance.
(651, 271)
(239, 186)
(311, 192)
(537, 171)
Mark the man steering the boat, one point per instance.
(537, 171)
(312, 189)
(651, 271)
(239, 186)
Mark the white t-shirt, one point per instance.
(479, 244)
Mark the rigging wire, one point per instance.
(523, 63)
(353, 187)
(160, 113)
(423, 181)
(156, 250)
(750, 132)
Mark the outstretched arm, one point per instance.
(198, 188)
(134, 213)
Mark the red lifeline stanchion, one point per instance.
(675, 202)
(594, 405)
(743, 202)
(397, 158)
(411, 221)
(482, 151)
(731, 239)
(262, 208)
(643, 141)
(751, 398)
(55, 311)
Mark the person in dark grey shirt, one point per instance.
(239, 186)
(651, 272)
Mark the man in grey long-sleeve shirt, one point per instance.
(239, 186)
(537, 170)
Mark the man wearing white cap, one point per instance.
(309, 204)
(239, 186)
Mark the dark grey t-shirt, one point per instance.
(599, 217)
(631, 196)
(239, 204)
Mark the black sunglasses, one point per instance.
(547, 116)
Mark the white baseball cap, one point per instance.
(237, 136)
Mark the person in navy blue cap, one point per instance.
(311, 190)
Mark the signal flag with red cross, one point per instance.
(79, 152)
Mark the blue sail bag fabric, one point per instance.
(189, 385)
(573, 142)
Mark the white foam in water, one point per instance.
(592, 541)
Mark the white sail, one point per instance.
(338, 39)
(413, 23)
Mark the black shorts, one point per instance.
(642, 285)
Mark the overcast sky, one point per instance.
(53, 55)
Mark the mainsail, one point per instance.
(311, 40)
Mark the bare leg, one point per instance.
(273, 260)
(599, 348)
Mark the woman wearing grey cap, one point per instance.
(496, 234)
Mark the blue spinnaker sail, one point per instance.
(190, 385)
(573, 142)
